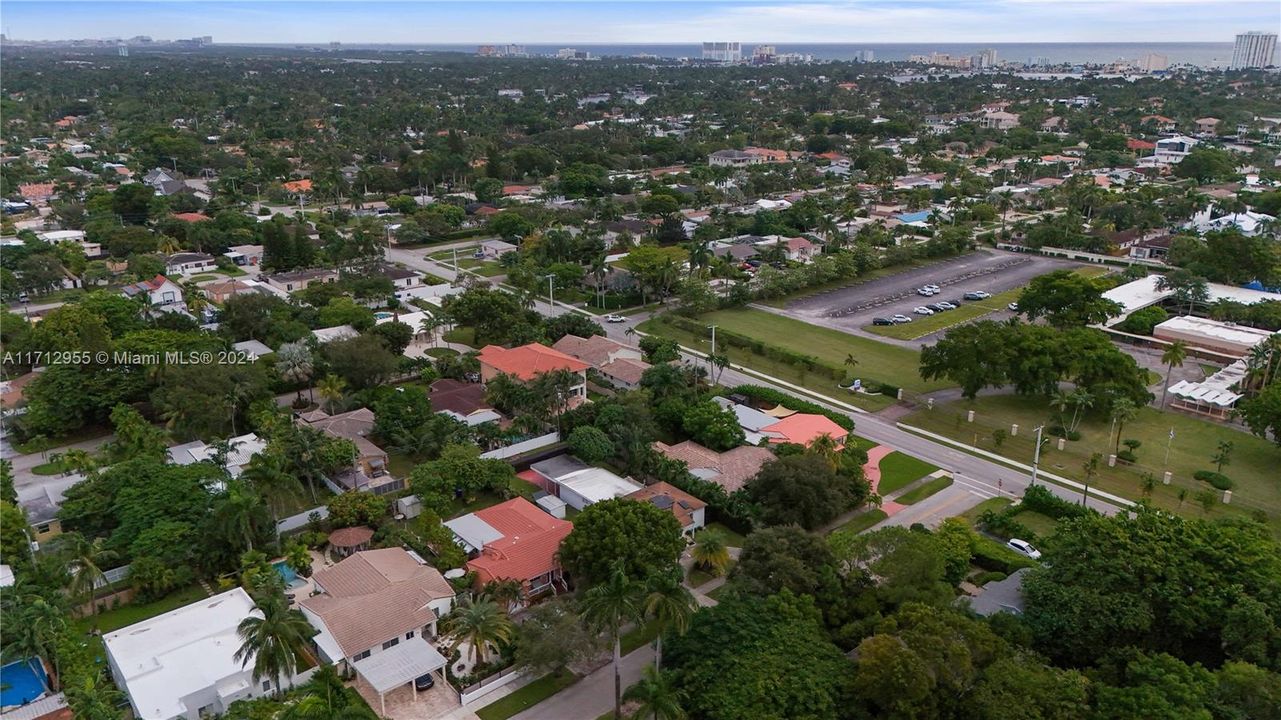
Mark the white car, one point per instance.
(611, 318)
(922, 310)
(934, 288)
(1023, 547)
(947, 305)
(1012, 307)
(900, 319)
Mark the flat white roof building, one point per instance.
(593, 485)
(1213, 335)
(1142, 293)
(182, 664)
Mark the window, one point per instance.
(362, 656)
(266, 685)
(391, 643)
(409, 635)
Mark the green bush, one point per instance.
(1003, 525)
(1143, 321)
(1218, 480)
(1127, 456)
(991, 555)
(1039, 499)
(987, 577)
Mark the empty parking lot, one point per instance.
(851, 308)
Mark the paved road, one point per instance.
(592, 696)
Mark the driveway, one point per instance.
(403, 704)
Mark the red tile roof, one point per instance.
(529, 361)
(804, 428)
(1134, 144)
(531, 539)
(298, 186)
(192, 217)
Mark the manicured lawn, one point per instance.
(1253, 465)
(127, 615)
(50, 468)
(528, 696)
(996, 504)
(1042, 525)
(639, 637)
(461, 335)
(861, 522)
(876, 360)
(898, 470)
(490, 270)
(35, 445)
(923, 491)
(732, 539)
(483, 500)
(969, 310)
(400, 465)
(698, 578)
(440, 352)
(202, 278)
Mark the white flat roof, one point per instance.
(597, 484)
(391, 668)
(1142, 293)
(170, 656)
(1205, 327)
(473, 531)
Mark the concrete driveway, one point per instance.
(403, 704)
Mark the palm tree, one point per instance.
(481, 624)
(608, 607)
(79, 461)
(672, 606)
(90, 697)
(850, 361)
(507, 593)
(429, 325)
(1081, 399)
(1060, 401)
(239, 513)
(710, 552)
(1123, 411)
(331, 389)
(273, 639)
(33, 625)
(267, 474)
(85, 559)
(655, 697)
(294, 363)
(1003, 203)
(1174, 355)
(1091, 468)
(700, 256)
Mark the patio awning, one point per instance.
(391, 668)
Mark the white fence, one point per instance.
(489, 684)
(522, 447)
(293, 522)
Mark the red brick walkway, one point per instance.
(872, 470)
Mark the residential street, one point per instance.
(592, 696)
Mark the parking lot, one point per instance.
(852, 308)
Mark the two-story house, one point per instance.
(158, 291)
(621, 365)
(527, 362)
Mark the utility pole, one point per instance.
(455, 260)
(711, 364)
(551, 294)
(1036, 455)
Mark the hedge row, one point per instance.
(733, 339)
(791, 402)
(993, 556)
(1040, 499)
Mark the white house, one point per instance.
(1249, 222)
(1172, 150)
(999, 120)
(188, 263)
(182, 664)
(580, 485)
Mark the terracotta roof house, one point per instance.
(527, 362)
(730, 469)
(298, 187)
(804, 429)
(689, 510)
(222, 290)
(1134, 144)
(463, 401)
(36, 192)
(513, 540)
(376, 613)
(192, 217)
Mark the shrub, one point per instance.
(1040, 499)
(992, 556)
(987, 577)
(1143, 321)
(1004, 525)
(1218, 480)
(1127, 456)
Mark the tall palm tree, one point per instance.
(710, 552)
(294, 363)
(33, 625)
(655, 697)
(481, 624)
(274, 639)
(1081, 400)
(85, 559)
(1174, 355)
(671, 606)
(239, 513)
(1123, 411)
(507, 593)
(608, 607)
(331, 389)
(266, 473)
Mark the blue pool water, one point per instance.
(383, 315)
(21, 682)
(287, 574)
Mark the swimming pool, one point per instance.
(382, 315)
(288, 575)
(21, 682)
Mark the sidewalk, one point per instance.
(592, 696)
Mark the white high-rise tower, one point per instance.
(1253, 49)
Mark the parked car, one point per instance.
(424, 682)
(1023, 547)
(922, 310)
(937, 307)
(925, 291)
(1013, 307)
(882, 321)
(977, 295)
(612, 318)
(900, 319)
(948, 305)
(934, 288)
(954, 302)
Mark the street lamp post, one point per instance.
(1036, 454)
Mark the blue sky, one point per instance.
(652, 21)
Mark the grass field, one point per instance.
(838, 284)
(732, 539)
(899, 470)
(528, 696)
(1042, 525)
(996, 504)
(968, 311)
(924, 490)
(863, 521)
(1253, 464)
(460, 335)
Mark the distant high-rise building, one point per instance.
(122, 50)
(865, 56)
(985, 59)
(763, 53)
(206, 39)
(1038, 61)
(1253, 49)
(485, 50)
(724, 52)
(1154, 62)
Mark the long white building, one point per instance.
(1254, 49)
(725, 52)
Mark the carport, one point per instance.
(387, 670)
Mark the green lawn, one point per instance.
(719, 592)
(50, 468)
(1252, 467)
(837, 284)
(732, 539)
(698, 578)
(923, 491)
(528, 696)
(440, 352)
(400, 465)
(898, 470)
(126, 615)
(862, 521)
(461, 335)
(924, 325)
(639, 637)
(1042, 525)
(483, 500)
